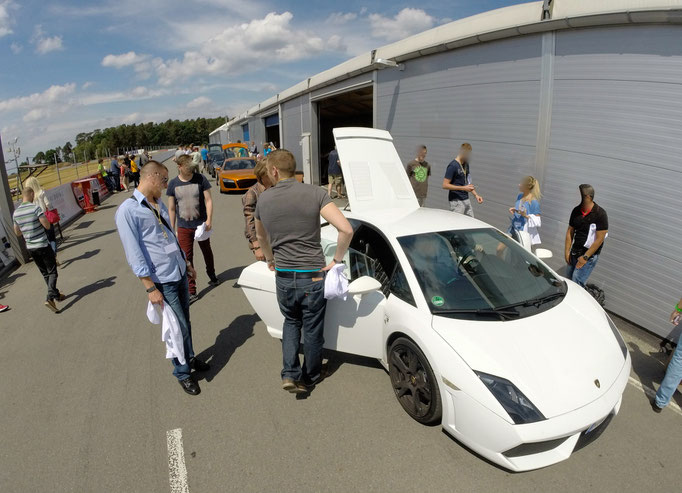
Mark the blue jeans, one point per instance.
(672, 379)
(581, 275)
(303, 305)
(176, 294)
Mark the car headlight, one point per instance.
(517, 405)
(619, 338)
(225, 180)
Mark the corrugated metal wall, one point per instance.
(617, 124)
(486, 95)
(291, 123)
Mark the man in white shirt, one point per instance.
(196, 160)
(178, 153)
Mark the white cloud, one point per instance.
(239, 48)
(16, 48)
(199, 102)
(123, 60)
(406, 23)
(339, 18)
(136, 94)
(142, 64)
(132, 118)
(6, 20)
(87, 84)
(53, 95)
(44, 43)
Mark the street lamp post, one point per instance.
(6, 210)
(16, 151)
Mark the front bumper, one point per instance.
(535, 445)
(237, 185)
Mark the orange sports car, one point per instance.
(236, 174)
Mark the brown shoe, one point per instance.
(50, 304)
(61, 297)
(293, 387)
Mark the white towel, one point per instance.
(201, 234)
(336, 283)
(170, 330)
(592, 235)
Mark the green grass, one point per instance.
(50, 179)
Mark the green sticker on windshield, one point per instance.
(437, 301)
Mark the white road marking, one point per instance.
(177, 471)
(651, 393)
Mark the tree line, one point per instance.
(114, 140)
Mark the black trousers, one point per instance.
(46, 261)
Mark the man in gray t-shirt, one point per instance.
(288, 232)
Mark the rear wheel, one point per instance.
(413, 382)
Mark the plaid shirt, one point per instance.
(249, 201)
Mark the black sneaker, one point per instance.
(214, 282)
(309, 383)
(193, 297)
(198, 365)
(190, 386)
(655, 407)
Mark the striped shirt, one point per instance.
(26, 217)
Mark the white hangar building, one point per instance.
(570, 91)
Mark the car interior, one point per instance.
(371, 255)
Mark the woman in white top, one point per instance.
(40, 199)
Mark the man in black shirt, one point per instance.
(587, 229)
(189, 206)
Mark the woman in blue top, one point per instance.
(526, 215)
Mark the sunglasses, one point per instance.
(164, 179)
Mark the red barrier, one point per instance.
(82, 189)
(103, 189)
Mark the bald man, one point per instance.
(155, 257)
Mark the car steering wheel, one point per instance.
(464, 258)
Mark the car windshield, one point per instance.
(480, 274)
(231, 152)
(239, 164)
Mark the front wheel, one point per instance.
(413, 381)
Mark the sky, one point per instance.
(74, 66)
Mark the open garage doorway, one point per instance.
(272, 129)
(349, 109)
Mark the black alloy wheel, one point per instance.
(413, 382)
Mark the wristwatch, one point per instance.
(338, 261)
(586, 258)
(152, 289)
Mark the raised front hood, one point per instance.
(375, 176)
(554, 357)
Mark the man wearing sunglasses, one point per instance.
(154, 255)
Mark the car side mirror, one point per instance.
(543, 253)
(363, 285)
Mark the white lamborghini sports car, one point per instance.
(517, 363)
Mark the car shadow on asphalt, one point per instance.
(336, 360)
(226, 343)
(81, 293)
(86, 255)
(651, 367)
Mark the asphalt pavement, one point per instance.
(89, 403)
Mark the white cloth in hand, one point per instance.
(201, 234)
(336, 283)
(171, 333)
